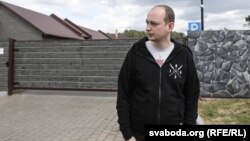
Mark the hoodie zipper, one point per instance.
(159, 94)
(159, 108)
(160, 77)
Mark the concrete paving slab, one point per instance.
(3, 93)
(43, 115)
(58, 117)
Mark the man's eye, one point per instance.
(151, 23)
(154, 24)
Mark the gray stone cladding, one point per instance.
(222, 60)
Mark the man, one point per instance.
(157, 83)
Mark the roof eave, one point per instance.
(20, 16)
(47, 34)
(105, 34)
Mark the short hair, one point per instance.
(169, 13)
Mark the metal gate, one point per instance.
(4, 54)
(66, 65)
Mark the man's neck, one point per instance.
(162, 43)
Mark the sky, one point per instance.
(111, 15)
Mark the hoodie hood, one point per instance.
(141, 49)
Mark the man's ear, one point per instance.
(171, 26)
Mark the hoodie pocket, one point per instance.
(171, 114)
(181, 112)
(147, 113)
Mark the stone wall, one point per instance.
(222, 59)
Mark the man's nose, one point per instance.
(148, 27)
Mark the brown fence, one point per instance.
(65, 65)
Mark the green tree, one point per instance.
(134, 33)
(140, 34)
(248, 21)
(177, 35)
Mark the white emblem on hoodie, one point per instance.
(175, 71)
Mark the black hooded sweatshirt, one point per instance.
(150, 94)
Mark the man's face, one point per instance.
(157, 29)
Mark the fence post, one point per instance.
(11, 66)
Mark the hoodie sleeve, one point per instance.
(123, 98)
(191, 92)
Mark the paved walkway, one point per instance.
(3, 93)
(53, 116)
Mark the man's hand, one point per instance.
(132, 139)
